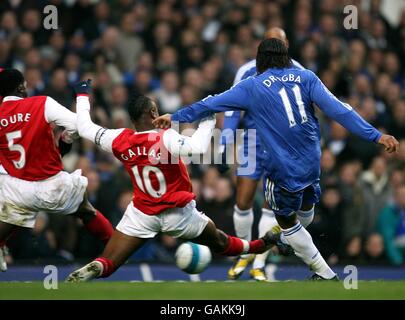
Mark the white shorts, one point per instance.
(186, 223)
(21, 200)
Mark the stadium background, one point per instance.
(181, 51)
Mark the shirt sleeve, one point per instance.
(236, 98)
(231, 123)
(87, 129)
(61, 116)
(198, 143)
(341, 112)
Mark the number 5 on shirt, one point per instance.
(11, 136)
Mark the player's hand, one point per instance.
(67, 137)
(163, 122)
(83, 87)
(390, 143)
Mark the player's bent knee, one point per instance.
(286, 222)
(307, 207)
(244, 204)
(86, 211)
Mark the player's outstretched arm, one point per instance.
(198, 143)
(61, 116)
(85, 126)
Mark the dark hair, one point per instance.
(10, 79)
(272, 53)
(138, 105)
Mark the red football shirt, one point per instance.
(160, 180)
(27, 145)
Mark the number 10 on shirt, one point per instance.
(144, 183)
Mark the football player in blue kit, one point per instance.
(249, 174)
(280, 99)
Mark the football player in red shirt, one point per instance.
(32, 179)
(163, 200)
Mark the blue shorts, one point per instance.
(251, 158)
(284, 202)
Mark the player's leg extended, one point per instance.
(6, 230)
(118, 249)
(267, 222)
(227, 245)
(94, 220)
(243, 220)
(285, 204)
(243, 212)
(301, 241)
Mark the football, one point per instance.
(193, 258)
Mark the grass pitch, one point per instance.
(243, 290)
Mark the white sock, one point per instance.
(243, 223)
(301, 241)
(306, 217)
(267, 222)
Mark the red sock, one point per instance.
(100, 227)
(234, 248)
(108, 267)
(256, 246)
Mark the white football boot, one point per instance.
(88, 272)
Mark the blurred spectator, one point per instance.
(123, 201)
(374, 249)
(324, 230)
(72, 64)
(397, 127)
(58, 88)
(142, 82)
(218, 200)
(337, 141)
(328, 168)
(376, 192)
(35, 83)
(352, 250)
(167, 95)
(391, 226)
(129, 44)
(354, 213)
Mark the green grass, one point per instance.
(204, 290)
